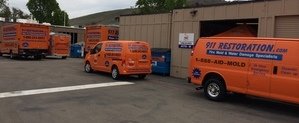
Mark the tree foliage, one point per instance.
(47, 11)
(5, 12)
(2, 4)
(159, 6)
(13, 13)
(18, 14)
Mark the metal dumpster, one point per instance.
(76, 51)
(161, 58)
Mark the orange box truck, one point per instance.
(60, 45)
(263, 67)
(25, 40)
(95, 34)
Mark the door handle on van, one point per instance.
(275, 69)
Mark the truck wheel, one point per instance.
(141, 76)
(11, 55)
(63, 57)
(115, 73)
(87, 68)
(38, 57)
(214, 89)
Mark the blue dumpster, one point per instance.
(161, 58)
(76, 51)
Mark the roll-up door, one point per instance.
(287, 27)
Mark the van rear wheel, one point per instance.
(87, 68)
(115, 73)
(215, 89)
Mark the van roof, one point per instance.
(252, 38)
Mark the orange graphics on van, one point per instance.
(264, 67)
(95, 34)
(120, 58)
(60, 45)
(25, 40)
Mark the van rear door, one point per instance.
(138, 55)
(285, 80)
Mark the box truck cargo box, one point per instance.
(95, 34)
(25, 40)
(60, 45)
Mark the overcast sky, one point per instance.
(77, 8)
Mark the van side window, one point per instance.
(98, 48)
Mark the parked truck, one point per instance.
(25, 40)
(95, 34)
(59, 45)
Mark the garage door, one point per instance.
(287, 27)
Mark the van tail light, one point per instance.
(192, 52)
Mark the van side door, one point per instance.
(285, 79)
(95, 56)
(260, 70)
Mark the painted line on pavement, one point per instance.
(61, 89)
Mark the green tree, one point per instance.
(2, 4)
(47, 11)
(6, 13)
(18, 14)
(158, 6)
(60, 18)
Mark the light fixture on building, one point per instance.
(193, 13)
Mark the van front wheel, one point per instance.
(87, 68)
(115, 73)
(214, 89)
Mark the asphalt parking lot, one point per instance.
(154, 100)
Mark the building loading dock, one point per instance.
(268, 18)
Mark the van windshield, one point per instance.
(138, 48)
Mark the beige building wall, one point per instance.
(182, 21)
(154, 29)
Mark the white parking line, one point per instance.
(60, 89)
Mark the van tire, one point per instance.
(115, 73)
(142, 76)
(214, 89)
(87, 68)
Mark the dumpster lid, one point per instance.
(161, 50)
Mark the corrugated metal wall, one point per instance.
(182, 21)
(155, 29)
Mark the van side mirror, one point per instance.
(92, 51)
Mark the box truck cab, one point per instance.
(120, 58)
(263, 67)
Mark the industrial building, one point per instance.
(268, 18)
